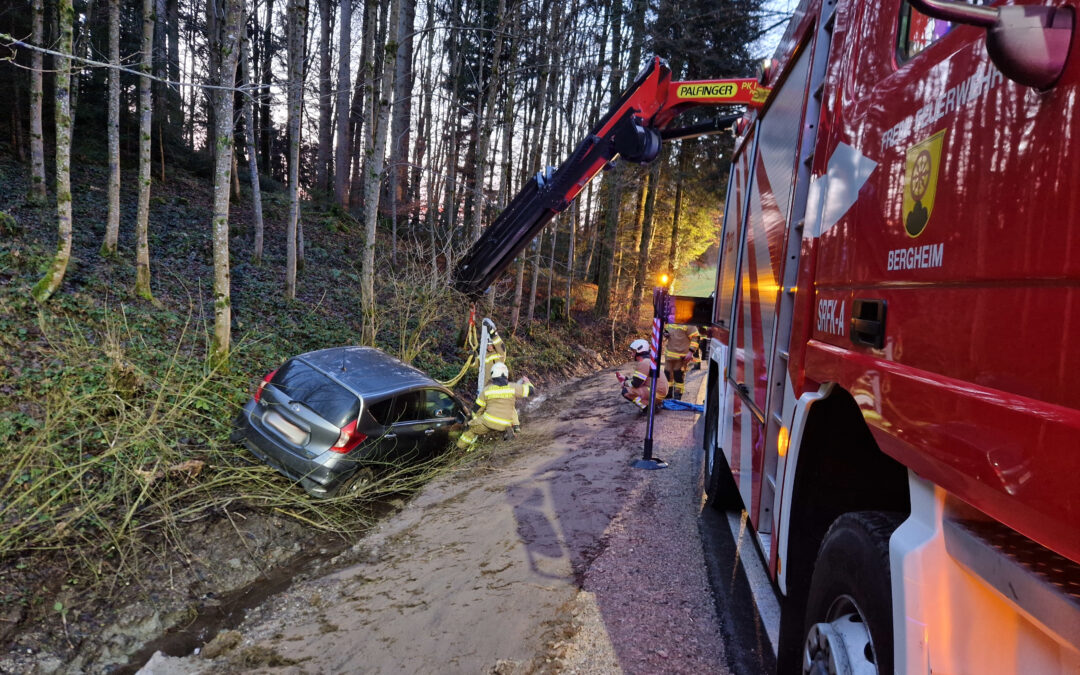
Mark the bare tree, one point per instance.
(142, 219)
(297, 18)
(341, 156)
(376, 151)
(229, 45)
(249, 139)
(613, 183)
(48, 284)
(646, 240)
(326, 100)
(112, 221)
(37, 136)
(402, 113)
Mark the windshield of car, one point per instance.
(331, 401)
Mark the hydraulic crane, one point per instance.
(633, 129)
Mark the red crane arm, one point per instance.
(631, 129)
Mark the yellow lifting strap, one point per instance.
(472, 344)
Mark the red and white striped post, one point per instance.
(661, 300)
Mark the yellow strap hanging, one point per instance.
(472, 343)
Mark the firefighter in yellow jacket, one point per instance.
(496, 353)
(496, 406)
(496, 349)
(636, 389)
(681, 342)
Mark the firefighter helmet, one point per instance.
(639, 346)
(499, 370)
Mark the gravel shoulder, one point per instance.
(547, 553)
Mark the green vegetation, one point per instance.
(113, 425)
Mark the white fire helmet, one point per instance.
(499, 370)
(640, 346)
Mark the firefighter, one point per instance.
(677, 354)
(636, 389)
(496, 349)
(496, 406)
(496, 353)
(703, 351)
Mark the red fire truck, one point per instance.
(889, 394)
(888, 387)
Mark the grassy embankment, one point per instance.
(113, 429)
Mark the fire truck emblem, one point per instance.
(920, 183)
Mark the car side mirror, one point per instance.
(1029, 44)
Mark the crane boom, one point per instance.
(633, 129)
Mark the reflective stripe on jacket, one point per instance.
(499, 403)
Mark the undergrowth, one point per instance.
(114, 430)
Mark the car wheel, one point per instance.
(357, 483)
(849, 609)
(239, 427)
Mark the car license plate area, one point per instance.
(287, 429)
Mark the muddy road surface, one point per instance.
(544, 553)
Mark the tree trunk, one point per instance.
(81, 35)
(224, 134)
(266, 96)
(676, 216)
(402, 113)
(570, 259)
(364, 76)
(174, 100)
(37, 136)
(326, 101)
(249, 138)
(424, 127)
(160, 71)
(213, 39)
(112, 221)
(381, 92)
(646, 240)
(341, 156)
(606, 262)
(487, 115)
(146, 109)
(44, 288)
(297, 21)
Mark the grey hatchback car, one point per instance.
(325, 418)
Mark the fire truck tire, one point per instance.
(721, 493)
(848, 626)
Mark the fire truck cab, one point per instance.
(889, 391)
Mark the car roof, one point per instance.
(369, 371)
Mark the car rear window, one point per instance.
(301, 383)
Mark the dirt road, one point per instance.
(547, 553)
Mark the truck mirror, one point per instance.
(1029, 44)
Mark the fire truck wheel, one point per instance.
(849, 609)
(720, 490)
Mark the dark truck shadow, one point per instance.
(567, 505)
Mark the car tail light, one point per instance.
(262, 385)
(348, 439)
